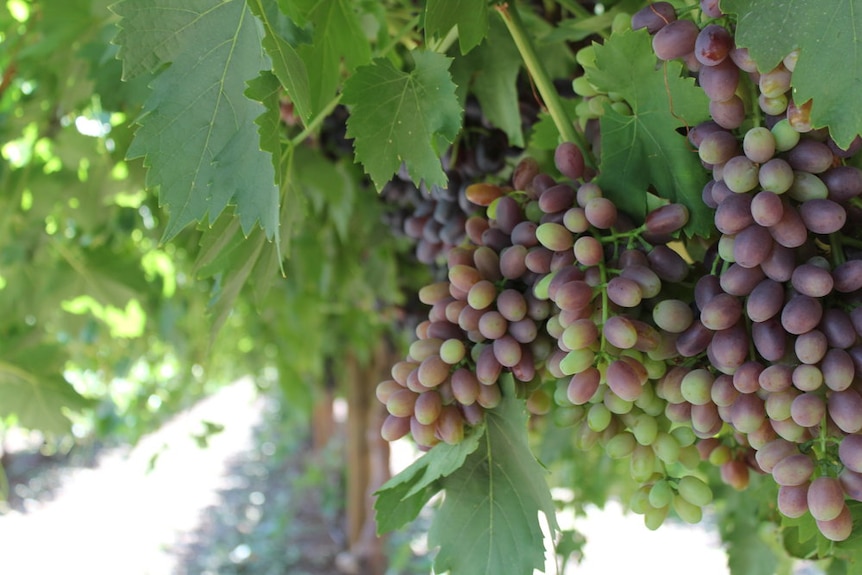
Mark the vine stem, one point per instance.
(564, 124)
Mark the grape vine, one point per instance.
(746, 360)
(631, 227)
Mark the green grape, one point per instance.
(598, 417)
(694, 490)
(687, 511)
(666, 447)
(661, 494)
(621, 445)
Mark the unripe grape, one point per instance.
(694, 490)
(687, 511)
(661, 494)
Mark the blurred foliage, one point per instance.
(102, 324)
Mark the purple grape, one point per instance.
(675, 39)
(713, 44)
(654, 17)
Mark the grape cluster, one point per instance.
(749, 360)
(785, 278)
(434, 216)
(558, 288)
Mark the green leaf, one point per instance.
(266, 89)
(489, 520)
(229, 258)
(152, 32)
(401, 498)
(330, 187)
(644, 150)
(470, 16)
(287, 64)
(825, 33)
(37, 399)
(397, 117)
(545, 135)
(747, 552)
(338, 37)
(197, 132)
(491, 72)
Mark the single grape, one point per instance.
(758, 144)
(601, 212)
(624, 380)
(823, 216)
(773, 452)
(719, 82)
(676, 39)
(811, 156)
(793, 470)
(730, 113)
(775, 82)
(557, 199)
(838, 529)
(654, 17)
(673, 315)
(740, 174)
(843, 182)
(808, 409)
(776, 176)
(845, 409)
(806, 187)
(776, 378)
(825, 498)
(569, 160)
(793, 500)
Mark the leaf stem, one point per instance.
(315, 122)
(564, 124)
(442, 46)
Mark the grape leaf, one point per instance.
(491, 72)
(545, 135)
(37, 399)
(287, 64)
(400, 499)
(489, 520)
(338, 37)
(644, 149)
(827, 35)
(198, 108)
(399, 116)
(747, 551)
(470, 16)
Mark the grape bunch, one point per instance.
(559, 289)
(778, 312)
(749, 359)
(434, 216)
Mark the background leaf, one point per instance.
(491, 72)
(470, 16)
(287, 64)
(827, 35)
(644, 149)
(488, 522)
(338, 38)
(397, 117)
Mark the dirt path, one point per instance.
(119, 519)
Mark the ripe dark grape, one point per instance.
(675, 39)
(654, 17)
